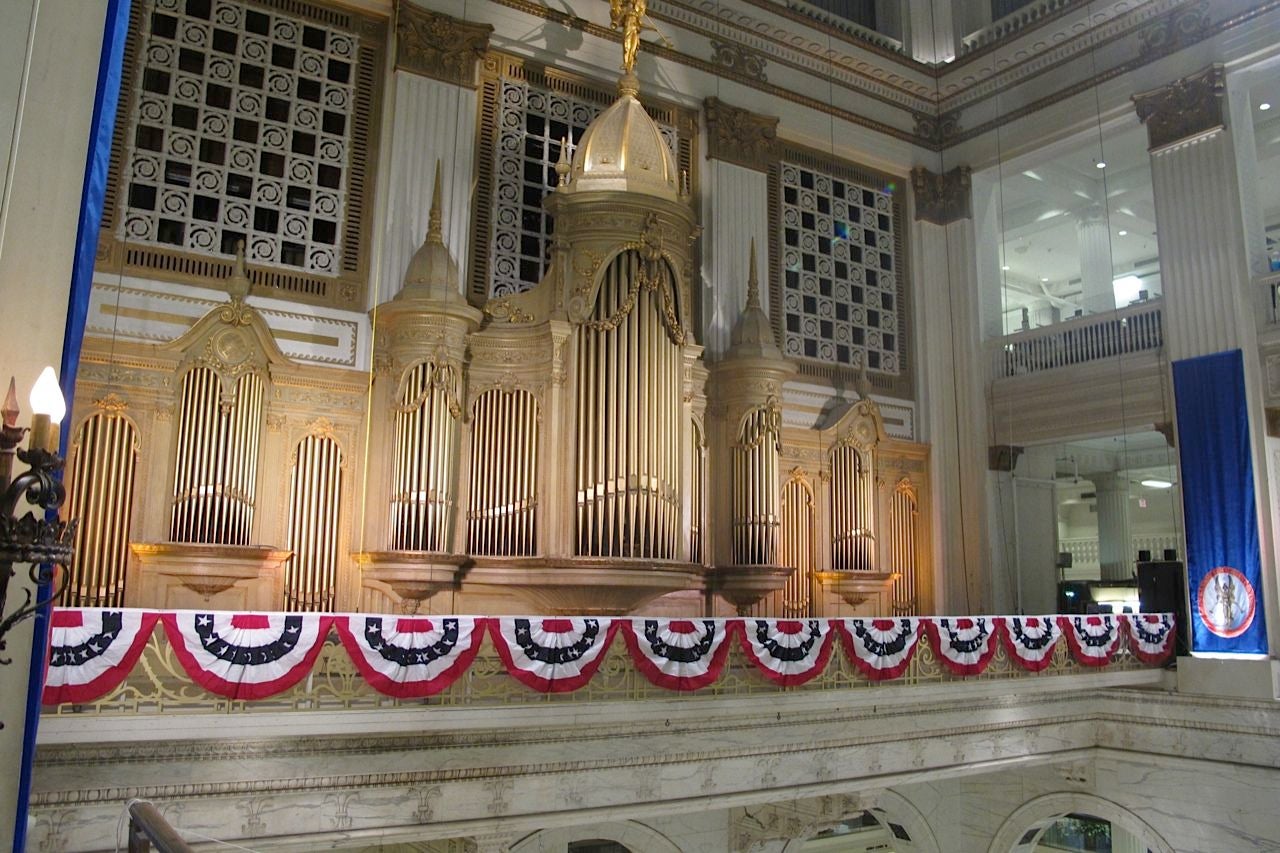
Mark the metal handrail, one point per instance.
(148, 827)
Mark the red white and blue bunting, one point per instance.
(964, 645)
(92, 651)
(1093, 639)
(246, 655)
(1151, 636)
(788, 651)
(679, 654)
(411, 656)
(552, 655)
(1031, 640)
(881, 649)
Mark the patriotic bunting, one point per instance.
(788, 651)
(1031, 640)
(1151, 636)
(552, 655)
(679, 654)
(1093, 639)
(964, 645)
(881, 649)
(246, 655)
(92, 651)
(411, 657)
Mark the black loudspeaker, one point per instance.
(1160, 590)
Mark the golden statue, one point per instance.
(628, 16)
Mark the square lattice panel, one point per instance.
(241, 130)
(839, 279)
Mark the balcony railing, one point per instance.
(1136, 328)
(1084, 549)
(1269, 296)
(160, 683)
(1019, 19)
(848, 27)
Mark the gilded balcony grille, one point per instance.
(903, 558)
(852, 511)
(426, 451)
(503, 515)
(629, 415)
(104, 461)
(215, 476)
(315, 502)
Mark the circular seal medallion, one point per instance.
(1227, 601)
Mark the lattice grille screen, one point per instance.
(426, 451)
(315, 504)
(840, 288)
(104, 462)
(853, 544)
(503, 517)
(241, 130)
(531, 123)
(903, 518)
(215, 477)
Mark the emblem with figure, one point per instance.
(1226, 601)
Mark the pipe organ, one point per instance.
(503, 516)
(629, 415)
(563, 449)
(105, 452)
(315, 504)
(215, 478)
(426, 438)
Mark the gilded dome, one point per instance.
(623, 150)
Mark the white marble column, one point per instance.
(1114, 555)
(1024, 527)
(1093, 241)
(954, 412)
(1208, 293)
(735, 208)
(430, 120)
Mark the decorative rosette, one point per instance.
(787, 651)
(552, 655)
(92, 651)
(1151, 636)
(1093, 639)
(411, 656)
(964, 644)
(246, 655)
(679, 654)
(881, 649)
(1031, 639)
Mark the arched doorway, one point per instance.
(1076, 823)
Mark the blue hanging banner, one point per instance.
(1224, 566)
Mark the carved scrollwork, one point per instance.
(736, 57)
(1184, 108)
(439, 46)
(740, 136)
(942, 199)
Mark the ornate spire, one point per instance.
(753, 335)
(563, 165)
(238, 285)
(432, 272)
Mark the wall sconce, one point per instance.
(36, 540)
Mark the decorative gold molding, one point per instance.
(942, 198)
(740, 136)
(438, 46)
(1186, 107)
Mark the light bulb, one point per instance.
(1101, 164)
(46, 397)
(1264, 106)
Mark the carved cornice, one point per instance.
(942, 198)
(438, 46)
(740, 136)
(1184, 108)
(736, 57)
(1181, 28)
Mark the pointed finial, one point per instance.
(753, 281)
(562, 164)
(11, 410)
(434, 234)
(238, 285)
(862, 382)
